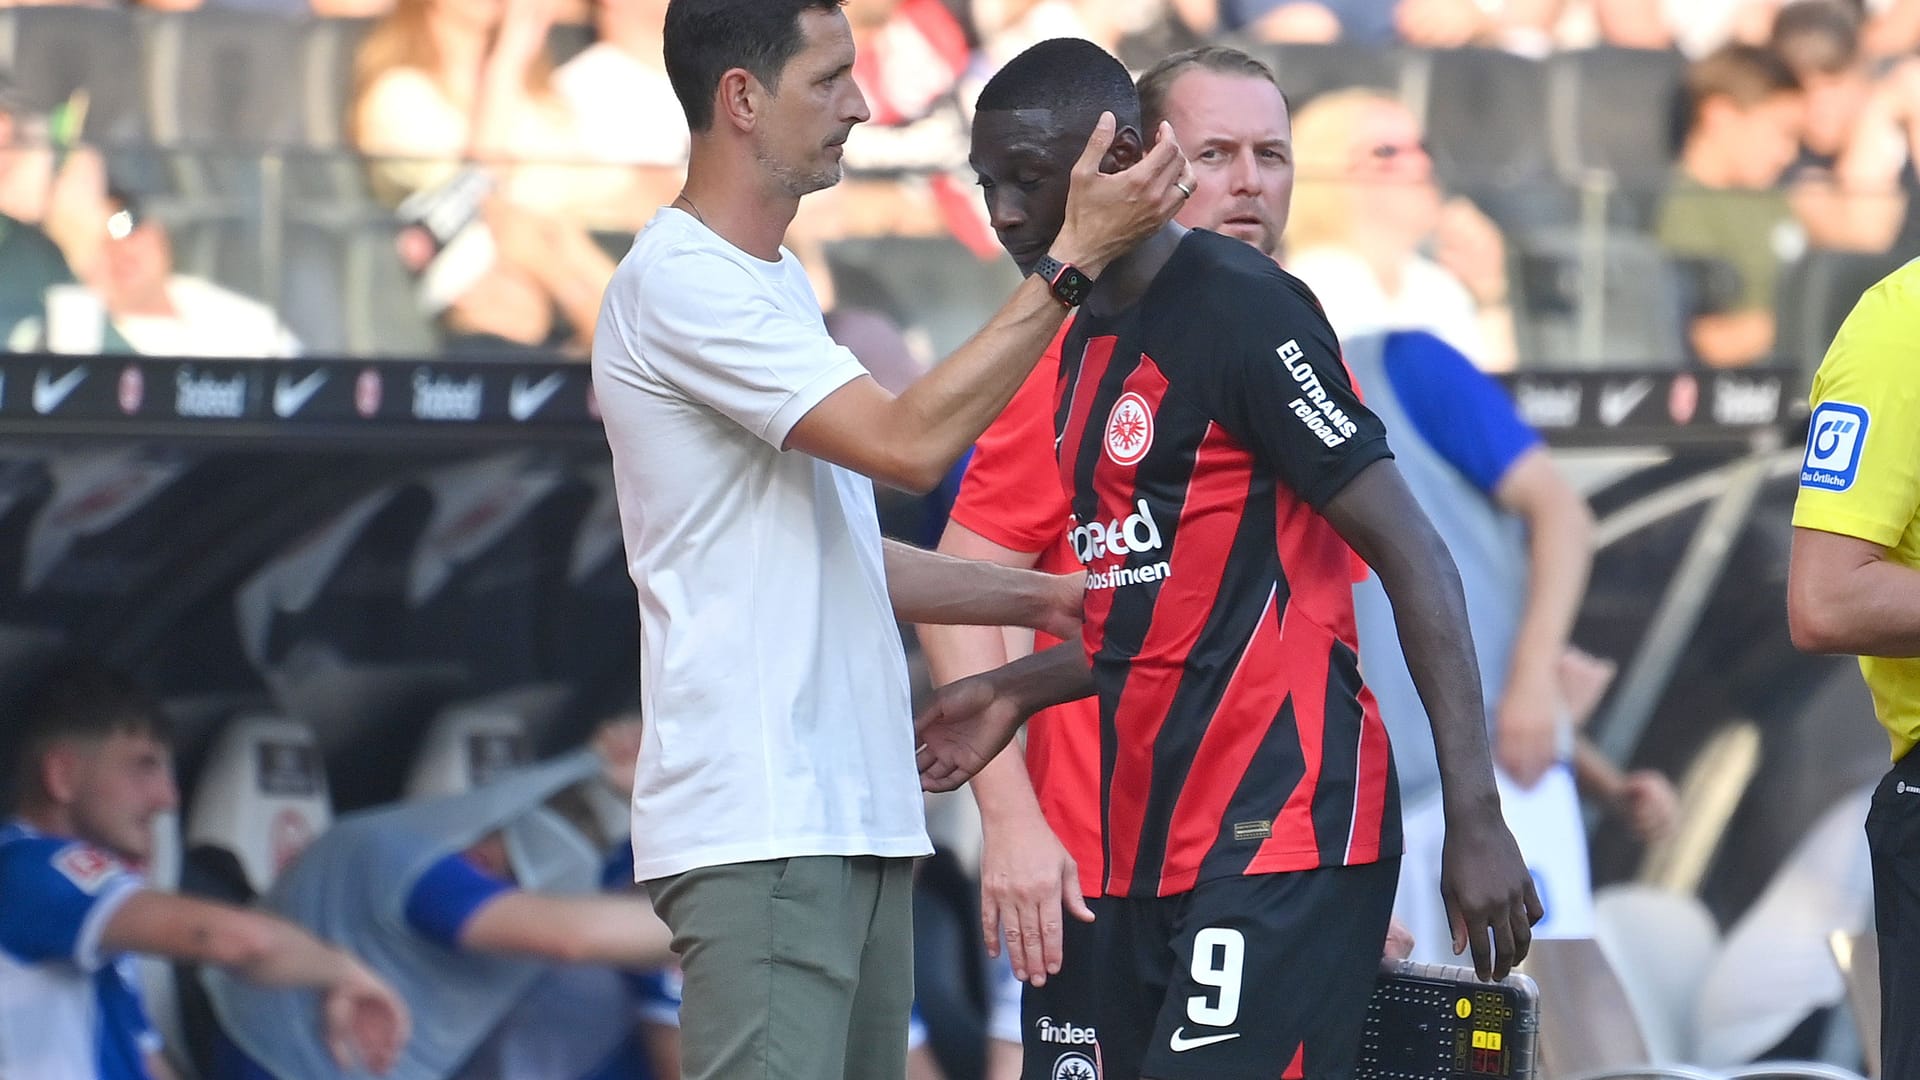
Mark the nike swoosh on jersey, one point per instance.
(1180, 1044)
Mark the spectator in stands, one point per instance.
(1369, 21)
(92, 772)
(1010, 27)
(1892, 28)
(1820, 42)
(1632, 24)
(1746, 115)
(1882, 162)
(162, 313)
(1365, 205)
(1855, 181)
(1449, 24)
(618, 91)
(30, 264)
(438, 84)
(469, 904)
(48, 181)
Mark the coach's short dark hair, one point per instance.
(73, 700)
(1157, 83)
(1065, 74)
(705, 39)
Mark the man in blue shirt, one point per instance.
(484, 908)
(91, 771)
(1521, 537)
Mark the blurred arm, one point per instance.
(619, 931)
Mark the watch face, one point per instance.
(1072, 286)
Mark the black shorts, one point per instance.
(1259, 977)
(1893, 837)
(1059, 1022)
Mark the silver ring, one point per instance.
(1185, 191)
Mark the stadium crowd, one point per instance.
(461, 176)
(494, 158)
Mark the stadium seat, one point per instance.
(1307, 71)
(51, 52)
(1485, 113)
(1639, 318)
(1660, 944)
(344, 287)
(1615, 112)
(262, 796)
(1587, 1022)
(222, 79)
(465, 746)
(327, 70)
(225, 246)
(1815, 296)
(327, 170)
(930, 285)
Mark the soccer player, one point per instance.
(1220, 465)
(92, 771)
(777, 786)
(1040, 808)
(1853, 586)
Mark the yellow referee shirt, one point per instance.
(1861, 474)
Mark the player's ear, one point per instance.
(60, 773)
(1125, 152)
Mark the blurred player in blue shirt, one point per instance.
(91, 772)
(1521, 537)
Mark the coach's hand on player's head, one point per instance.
(1108, 214)
(367, 1025)
(970, 721)
(1491, 902)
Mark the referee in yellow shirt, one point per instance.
(1854, 587)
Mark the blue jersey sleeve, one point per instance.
(56, 897)
(1460, 411)
(447, 896)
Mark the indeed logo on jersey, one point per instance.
(1835, 437)
(1138, 534)
(1327, 421)
(1064, 1034)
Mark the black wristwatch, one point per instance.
(1069, 285)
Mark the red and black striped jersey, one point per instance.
(1199, 432)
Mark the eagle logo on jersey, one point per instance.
(1074, 1066)
(1129, 429)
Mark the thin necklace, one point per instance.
(697, 215)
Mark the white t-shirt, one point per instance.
(772, 680)
(1430, 298)
(208, 321)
